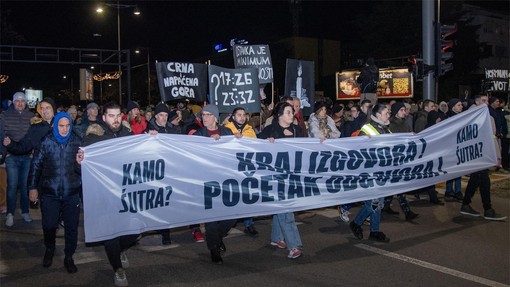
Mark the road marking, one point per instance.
(432, 266)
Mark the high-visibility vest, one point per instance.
(369, 129)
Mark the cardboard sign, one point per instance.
(255, 56)
(182, 81)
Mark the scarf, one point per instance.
(61, 139)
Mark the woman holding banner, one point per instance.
(378, 124)
(285, 233)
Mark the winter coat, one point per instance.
(274, 130)
(420, 121)
(136, 127)
(54, 171)
(81, 128)
(354, 125)
(316, 132)
(16, 124)
(246, 130)
(398, 125)
(368, 78)
(167, 129)
(223, 132)
(99, 132)
(31, 140)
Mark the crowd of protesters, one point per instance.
(42, 159)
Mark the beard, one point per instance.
(114, 129)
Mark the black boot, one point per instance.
(378, 236)
(48, 257)
(410, 215)
(49, 242)
(216, 256)
(222, 247)
(165, 240)
(69, 265)
(356, 230)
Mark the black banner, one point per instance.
(497, 80)
(182, 81)
(300, 83)
(255, 56)
(231, 88)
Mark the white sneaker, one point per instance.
(124, 260)
(26, 217)
(294, 253)
(9, 222)
(120, 278)
(344, 215)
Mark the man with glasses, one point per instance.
(216, 230)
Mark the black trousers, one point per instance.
(115, 246)
(480, 180)
(505, 157)
(216, 230)
(51, 210)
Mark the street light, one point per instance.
(136, 12)
(137, 51)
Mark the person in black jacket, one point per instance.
(160, 124)
(54, 179)
(284, 232)
(216, 230)
(110, 128)
(368, 79)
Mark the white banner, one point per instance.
(139, 183)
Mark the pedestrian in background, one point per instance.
(16, 123)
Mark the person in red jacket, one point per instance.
(136, 121)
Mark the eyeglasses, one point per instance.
(206, 115)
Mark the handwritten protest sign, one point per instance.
(182, 81)
(231, 88)
(255, 56)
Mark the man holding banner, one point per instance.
(480, 179)
(115, 248)
(216, 230)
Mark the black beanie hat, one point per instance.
(453, 102)
(131, 105)
(52, 103)
(396, 107)
(319, 105)
(161, 108)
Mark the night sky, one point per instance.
(172, 30)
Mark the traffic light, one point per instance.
(416, 66)
(442, 45)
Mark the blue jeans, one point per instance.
(17, 167)
(458, 185)
(371, 208)
(284, 229)
(248, 221)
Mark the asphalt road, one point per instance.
(439, 248)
